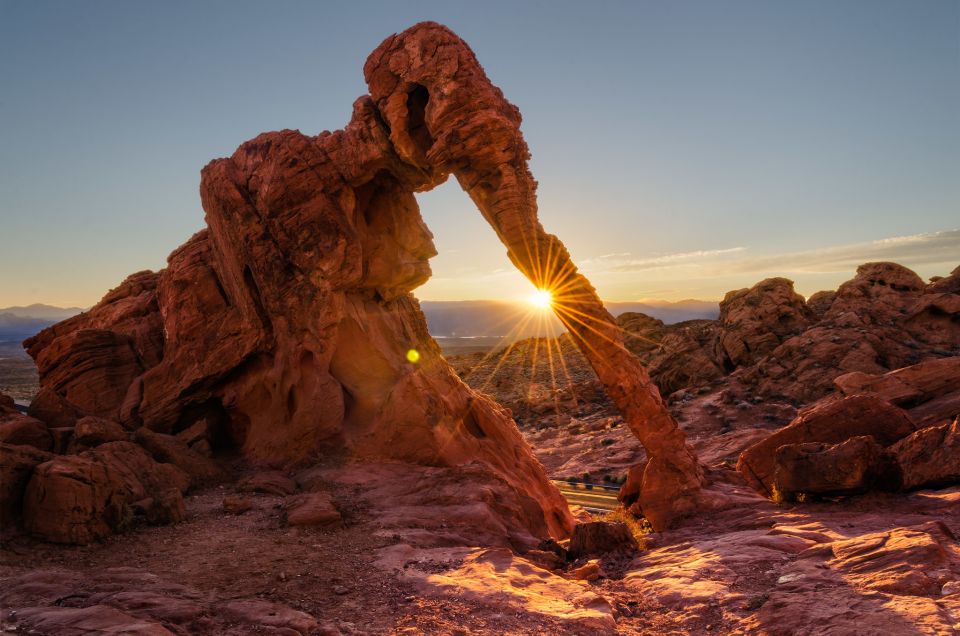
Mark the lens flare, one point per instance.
(541, 299)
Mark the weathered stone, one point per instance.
(601, 537)
(854, 466)
(17, 464)
(86, 497)
(930, 457)
(237, 505)
(167, 448)
(589, 571)
(312, 509)
(756, 320)
(23, 430)
(830, 422)
(93, 431)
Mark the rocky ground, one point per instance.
(889, 564)
(135, 499)
(729, 382)
(359, 547)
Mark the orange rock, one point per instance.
(830, 422)
(756, 320)
(600, 537)
(16, 428)
(312, 509)
(93, 431)
(854, 466)
(17, 464)
(930, 457)
(86, 497)
(589, 571)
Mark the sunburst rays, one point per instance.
(561, 290)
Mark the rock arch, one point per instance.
(292, 311)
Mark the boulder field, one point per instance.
(263, 437)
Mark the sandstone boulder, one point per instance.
(168, 449)
(312, 509)
(19, 429)
(854, 466)
(929, 390)
(756, 320)
(17, 464)
(52, 408)
(90, 369)
(86, 497)
(93, 431)
(597, 538)
(830, 422)
(909, 386)
(237, 505)
(930, 457)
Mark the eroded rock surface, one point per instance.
(287, 325)
(831, 422)
(86, 497)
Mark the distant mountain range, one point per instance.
(485, 318)
(19, 323)
(457, 318)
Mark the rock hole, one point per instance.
(417, 100)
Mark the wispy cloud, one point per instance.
(914, 250)
(673, 260)
(711, 273)
(625, 262)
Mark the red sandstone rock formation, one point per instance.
(420, 82)
(86, 497)
(853, 466)
(831, 422)
(756, 320)
(930, 457)
(286, 325)
(896, 431)
(774, 345)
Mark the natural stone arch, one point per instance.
(445, 117)
(286, 323)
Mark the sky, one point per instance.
(682, 149)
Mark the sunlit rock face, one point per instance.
(288, 324)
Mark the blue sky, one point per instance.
(682, 148)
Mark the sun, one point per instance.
(541, 299)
